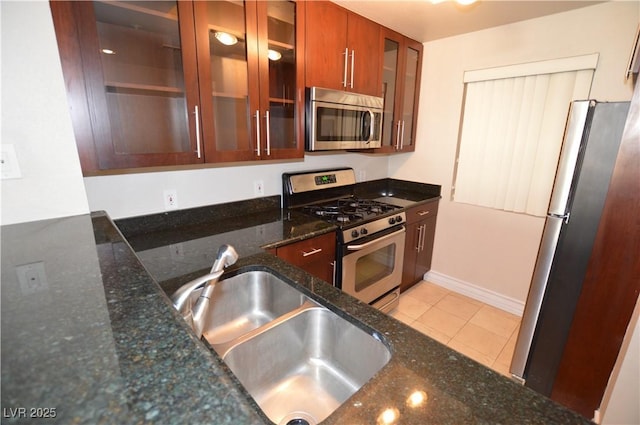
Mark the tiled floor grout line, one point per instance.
(489, 360)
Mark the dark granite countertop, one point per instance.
(87, 331)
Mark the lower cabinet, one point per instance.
(421, 230)
(316, 255)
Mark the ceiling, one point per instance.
(424, 21)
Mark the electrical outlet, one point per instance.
(170, 199)
(258, 188)
(177, 251)
(32, 278)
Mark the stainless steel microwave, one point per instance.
(342, 120)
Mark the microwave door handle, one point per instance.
(371, 125)
(364, 126)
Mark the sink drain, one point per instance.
(298, 418)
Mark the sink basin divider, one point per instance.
(223, 348)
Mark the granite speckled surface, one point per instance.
(95, 337)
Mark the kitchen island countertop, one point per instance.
(88, 334)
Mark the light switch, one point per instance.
(9, 163)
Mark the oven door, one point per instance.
(372, 267)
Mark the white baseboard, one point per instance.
(470, 290)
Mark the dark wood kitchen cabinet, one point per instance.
(250, 69)
(316, 255)
(418, 250)
(342, 49)
(153, 84)
(401, 67)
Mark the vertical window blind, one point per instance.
(512, 130)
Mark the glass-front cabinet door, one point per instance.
(411, 86)
(247, 63)
(390, 73)
(284, 72)
(226, 46)
(401, 67)
(141, 102)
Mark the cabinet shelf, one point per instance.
(281, 45)
(134, 16)
(281, 100)
(229, 95)
(144, 87)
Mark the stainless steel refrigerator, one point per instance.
(590, 147)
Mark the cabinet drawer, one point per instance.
(309, 250)
(422, 212)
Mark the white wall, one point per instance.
(130, 195)
(486, 249)
(35, 119)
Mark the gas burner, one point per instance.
(349, 210)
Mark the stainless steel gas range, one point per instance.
(370, 237)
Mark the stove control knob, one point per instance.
(392, 220)
(364, 231)
(354, 233)
(399, 219)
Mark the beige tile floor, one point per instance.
(480, 331)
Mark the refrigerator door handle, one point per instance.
(564, 217)
(572, 147)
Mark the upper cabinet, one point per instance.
(163, 83)
(342, 49)
(168, 83)
(249, 68)
(401, 66)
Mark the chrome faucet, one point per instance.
(196, 315)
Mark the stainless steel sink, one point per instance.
(297, 359)
(245, 302)
(300, 369)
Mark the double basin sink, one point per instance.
(298, 360)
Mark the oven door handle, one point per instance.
(364, 245)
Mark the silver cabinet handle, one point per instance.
(424, 236)
(258, 132)
(364, 245)
(312, 252)
(419, 238)
(353, 59)
(333, 273)
(421, 213)
(402, 138)
(398, 135)
(346, 61)
(267, 130)
(198, 148)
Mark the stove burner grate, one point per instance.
(349, 210)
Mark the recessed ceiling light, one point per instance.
(274, 55)
(108, 51)
(225, 38)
